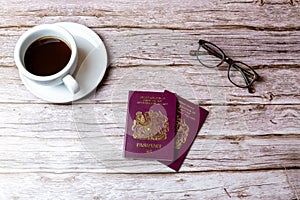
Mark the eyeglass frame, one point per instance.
(230, 62)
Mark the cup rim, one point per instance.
(22, 45)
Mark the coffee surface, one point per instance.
(47, 56)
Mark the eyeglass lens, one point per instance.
(209, 55)
(241, 74)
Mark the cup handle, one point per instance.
(71, 84)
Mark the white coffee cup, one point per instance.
(64, 75)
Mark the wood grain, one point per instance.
(104, 154)
(135, 46)
(247, 185)
(200, 85)
(249, 147)
(80, 135)
(254, 120)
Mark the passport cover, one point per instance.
(190, 119)
(150, 125)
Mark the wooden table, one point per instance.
(249, 147)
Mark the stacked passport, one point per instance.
(161, 126)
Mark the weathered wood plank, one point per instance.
(86, 136)
(131, 47)
(36, 119)
(200, 85)
(280, 184)
(173, 14)
(105, 154)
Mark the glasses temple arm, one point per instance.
(196, 53)
(213, 52)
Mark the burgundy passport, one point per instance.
(150, 125)
(190, 119)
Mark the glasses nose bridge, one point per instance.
(228, 60)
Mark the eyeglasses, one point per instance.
(239, 73)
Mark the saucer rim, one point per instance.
(93, 39)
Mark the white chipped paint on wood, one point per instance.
(211, 185)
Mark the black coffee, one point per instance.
(47, 56)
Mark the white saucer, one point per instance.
(92, 64)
